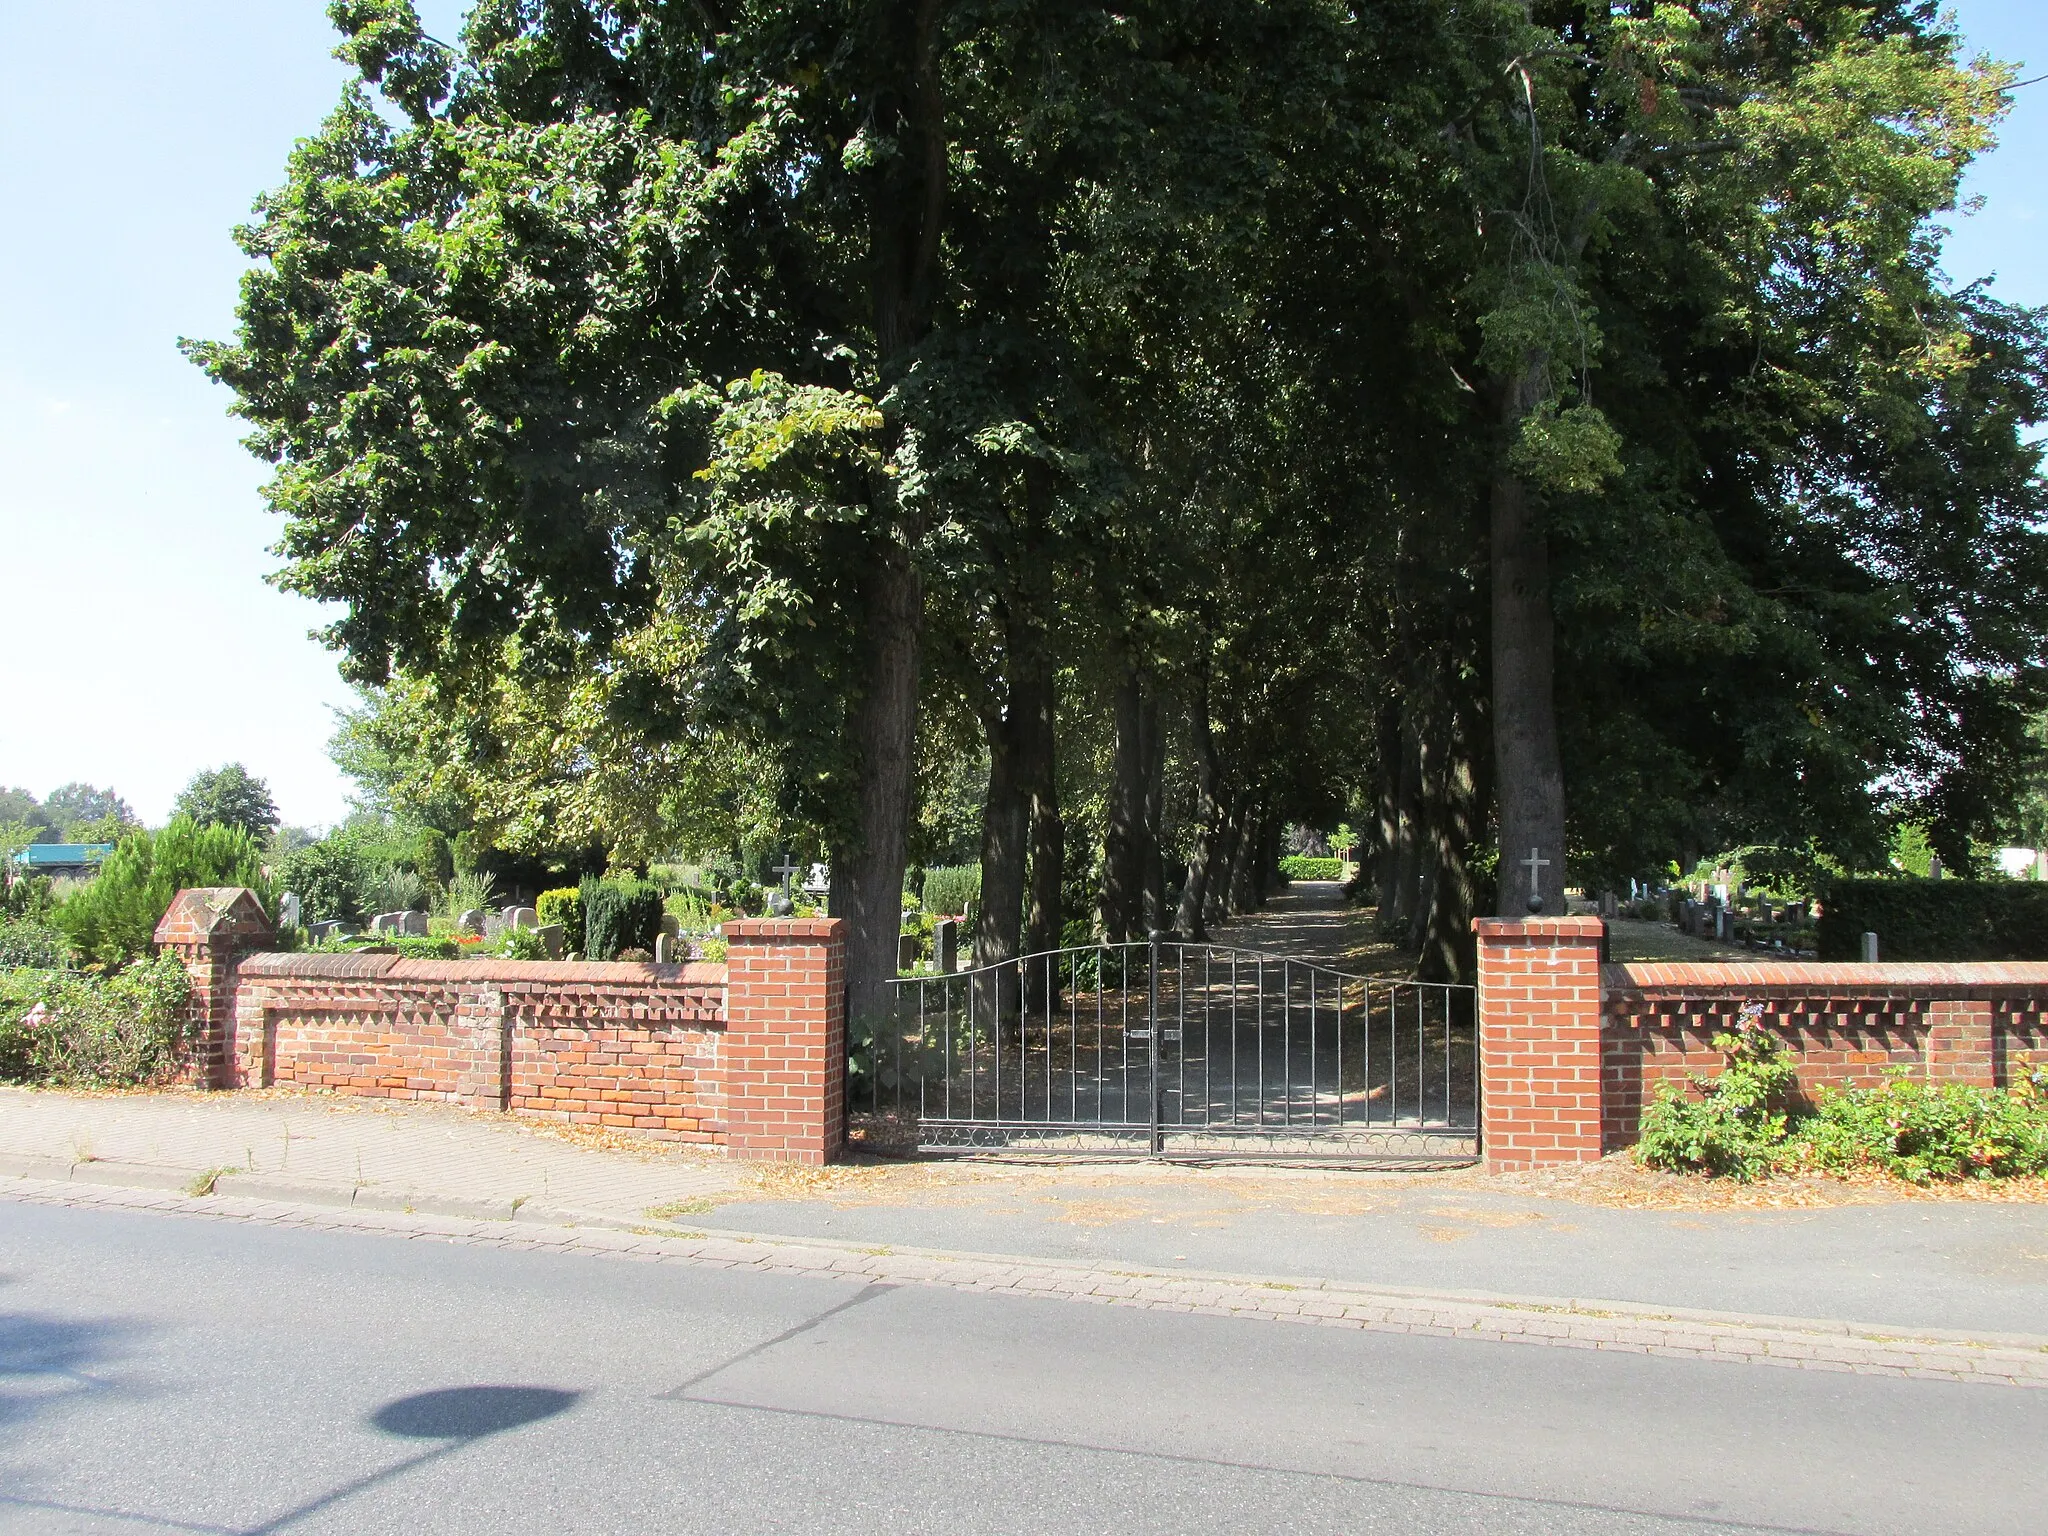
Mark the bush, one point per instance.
(952, 890)
(329, 877)
(430, 947)
(1912, 1130)
(563, 905)
(119, 1030)
(1736, 1125)
(26, 943)
(114, 918)
(1300, 867)
(518, 944)
(1936, 919)
(619, 914)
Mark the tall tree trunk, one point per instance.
(1121, 904)
(1157, 917)
(1446, 941)
(1529, 776)
(1387, 828)
(1005, 843)
(1396, 918)
(867, 887)
(1043, 920)
(1191, 920)
(1223, 884)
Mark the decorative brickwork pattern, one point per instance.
(785, 1067)
(1844, 1025)
(750, 1057)
(1539, 1040)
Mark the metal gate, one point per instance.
(1173, 1049)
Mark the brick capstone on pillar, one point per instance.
(1539, 1040)
(209, 929)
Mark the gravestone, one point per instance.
(387, 922)
(907, 946)
(412, 925)
(666, 948)
(288, 910)
(521, 917)
(555, 937)
(669, 925)
(472, 921)
(1610, 908)
(946, 945)
(325, 930)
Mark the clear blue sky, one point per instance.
(138, 642)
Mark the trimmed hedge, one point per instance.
(952, 890)
(1936, 919)
(619, 914)
(562, 905)
(1300, 867)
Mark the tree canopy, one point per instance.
(228, 796)
(1500, 425)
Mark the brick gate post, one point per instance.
(209, 929)
(784, 1055)
(1539, 1040)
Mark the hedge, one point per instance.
(619, 914)
(1936, 919)
(1299, 867)
(952, 890)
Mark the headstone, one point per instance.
(946, 945)
(907, 946)
(1724, 926)
(288, 910)
(1610, 905)
(326, 930)
(521, 917)
(669, 924)
(412, 925)
(1870, 949)
(1934, 866)
(472, 921)
(665, 946)
(554, 936)
(387, 922)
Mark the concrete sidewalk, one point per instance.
(1918, 1263)
(368, 1152)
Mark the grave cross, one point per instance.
(788, 869)
(1535, 863)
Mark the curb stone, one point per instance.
(2019, 1360)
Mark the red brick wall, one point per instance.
(1539, 1040)
(633, 1046)
(1845, 1025)
(750, 1057)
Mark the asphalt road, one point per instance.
(169, 1374)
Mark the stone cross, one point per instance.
(1536, 863)
(788, 869)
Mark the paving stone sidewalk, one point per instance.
(344, 1151)
(1790, 1343)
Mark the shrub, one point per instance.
(329, 877)
(1936, 919)
(619, 914)
(1922, 1132)
(431, 947)
(396, 889)
(1735, 1126)
(26, 943)
(1301, 867)
(952, 890)
(563, 905)
(118, 1030)
(518, 944)
(114, 918)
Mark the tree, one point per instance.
(229, 796)
(81, 813)
(113, 919)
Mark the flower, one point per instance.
(35, 1016)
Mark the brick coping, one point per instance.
(359, 967)
(1861, 983)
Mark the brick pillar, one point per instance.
(1539, 1040)
(209, 929)
(1959, 1042)
(485, 1081)
(784, 1054)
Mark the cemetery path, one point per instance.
(1311, 920)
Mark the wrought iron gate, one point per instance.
(1177, 1049)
